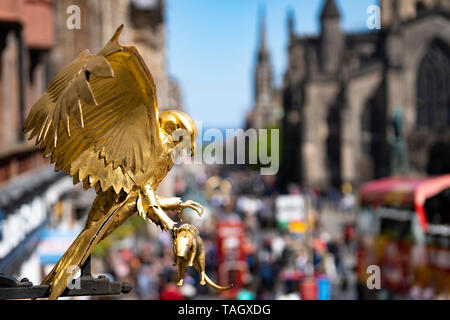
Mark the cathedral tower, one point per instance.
(263, 85)
(331, 38)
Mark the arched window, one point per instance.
(433, 84)
(374, 153)
(334, 144)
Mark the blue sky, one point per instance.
(212, 47)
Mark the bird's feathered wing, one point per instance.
(98, 119)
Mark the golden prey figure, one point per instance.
(99, 123)
(188, 250)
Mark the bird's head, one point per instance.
(179, 127)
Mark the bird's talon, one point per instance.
(197, 207)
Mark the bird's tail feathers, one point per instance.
(72, 260)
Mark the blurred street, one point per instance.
(315, 134)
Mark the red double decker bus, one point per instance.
(232, 264)
(403, 227)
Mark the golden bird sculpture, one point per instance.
(98, 121)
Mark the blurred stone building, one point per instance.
(352, 100)
(25, 42)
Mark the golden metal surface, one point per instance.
(99, 123)
(188, 250)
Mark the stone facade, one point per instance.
(24, 53)
(341, 92)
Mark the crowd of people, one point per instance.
(278, 261)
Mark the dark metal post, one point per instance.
(11, 288)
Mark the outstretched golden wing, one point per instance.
(98, 119)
